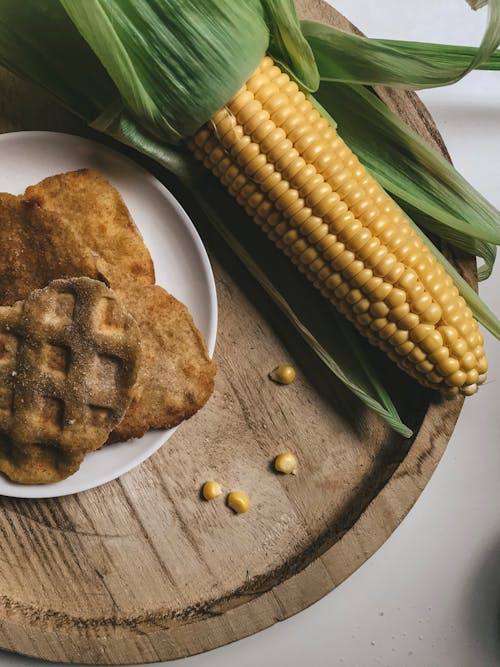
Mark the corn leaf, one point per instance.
(288, 44)
(412, 171)
(350, 58)
(443, 55)
(39, 42)
(173, 67)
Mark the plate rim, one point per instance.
(40, 491)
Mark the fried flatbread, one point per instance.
(68, 364)
(35, 248)
(176, 374)
(101, 220)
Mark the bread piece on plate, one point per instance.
(176, 374)
(35, 248)
(101, 221)
(69, 357)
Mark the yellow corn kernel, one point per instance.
(416, 355)
(439, 355)
(472, 377)
(286, 463)
(457, 379)
(211, 490)
(425, 367)
(448, 366)
(238, 501)
(284, 374)
(469, 389)
(405, 349)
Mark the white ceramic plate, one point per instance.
(181, 264)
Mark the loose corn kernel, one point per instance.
(238, 501)
(284, 374)
(211, 490)
(286, 463)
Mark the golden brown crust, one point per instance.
(100, 219)
(176, 374)
(36, 247)
(69, 356)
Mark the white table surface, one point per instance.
(430, 596)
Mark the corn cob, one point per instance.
(287, 166)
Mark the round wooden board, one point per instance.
(142, 570)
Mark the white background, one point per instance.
(430, 597)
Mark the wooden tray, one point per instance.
(142, 570)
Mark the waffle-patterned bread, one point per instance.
(68, 362)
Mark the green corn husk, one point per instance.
(193, 55)
(132, 99)
(287, 44)
(350, 58)
(441, 55)
(39, 42)
(139, 44)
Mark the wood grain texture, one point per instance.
(142, 570)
